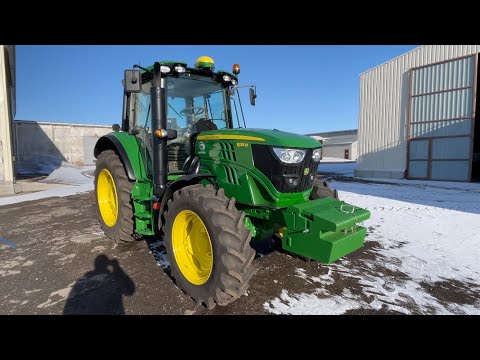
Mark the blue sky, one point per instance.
(301, 89)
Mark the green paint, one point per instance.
(134, 148)
(204, 64)
(325, 248)
(142, 191)
(174, 177)
(323, 229)
(250, 226)
(232, 163)
(271, 137)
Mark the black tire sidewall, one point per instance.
(101, 164)
(321, 191)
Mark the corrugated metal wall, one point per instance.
(383, 113)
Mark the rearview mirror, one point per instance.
(133, 81)
(253, 96)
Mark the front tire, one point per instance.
(113, 197)
(323, 190)
(208, 245)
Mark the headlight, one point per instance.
(164, 69)
(317, 154)
(290, 156)
(234, 82)
(180, 69)
(226, 78)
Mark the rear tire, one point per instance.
(116, 220)
(322, 191)
(224, 276)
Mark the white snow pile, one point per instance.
(425, 259)
(76, 179)
(71, 175)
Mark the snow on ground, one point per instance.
(327, 159)
(76, 179)
(337, 166)
(421, 254)
(71, 175)
(347, 169)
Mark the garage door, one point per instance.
(441, 119)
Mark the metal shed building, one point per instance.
(417, 116)
(338, 144)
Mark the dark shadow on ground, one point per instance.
(100, 291)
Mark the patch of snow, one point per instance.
(435, 184)
(60, 192)
(299, 304)
(427, 234)
(56, 297)
(325, 279)
(409, 198)
(434, 239)
(344, 169)
(71, 175)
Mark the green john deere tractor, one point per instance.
(183, 166)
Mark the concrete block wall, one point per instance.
(59, 140)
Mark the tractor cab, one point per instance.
(195, 99)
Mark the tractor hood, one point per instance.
(262, 136)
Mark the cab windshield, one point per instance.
(192, 97)
(189, 98)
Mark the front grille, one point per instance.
(275, 170)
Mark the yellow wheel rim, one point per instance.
(192, 247)
(107, 198)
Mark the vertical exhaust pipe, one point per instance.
(159, 121)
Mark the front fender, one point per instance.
(128, 148)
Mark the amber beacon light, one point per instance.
(236, 69)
